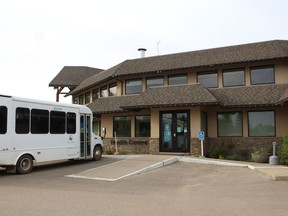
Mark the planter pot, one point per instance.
(260, 158)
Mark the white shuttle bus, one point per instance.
(33, 131)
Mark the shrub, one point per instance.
(283, 151)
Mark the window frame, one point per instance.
(112, 86)
(121, 135)
(178, 75)
(226, 71)
(262, 67)
(154, 78)
(208, 73)
(259, 111)
(149, 131)
(38, 120)
(218, 128)
(131, 80)
(3, 119)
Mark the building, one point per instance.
(237, 95)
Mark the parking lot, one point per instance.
(178, 189)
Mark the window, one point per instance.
(75, 100)
(95, 94)
(155, 81)
(71, 123)
(142, 127)
(81, 97)
(122, 126)
(233, 77)
(230, 124)
(3, 120)
(104, 91)
(209, 80)
(87, 98)
(177, 79)
(22, 120)
(113, 89)
(133, 86)
(57, 122)
(261, 123)
(262, 75)
(39, 121)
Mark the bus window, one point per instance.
(57, 122)
(22, 120)
(39, 121)
(71, 123)
(3, 120)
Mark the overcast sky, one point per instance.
(39, 37)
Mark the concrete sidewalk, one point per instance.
(135, 164)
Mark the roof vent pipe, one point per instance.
(142, 51)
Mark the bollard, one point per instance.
(274, 160)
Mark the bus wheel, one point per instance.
(24, 164)
(97, 153)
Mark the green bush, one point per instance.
(283, 151)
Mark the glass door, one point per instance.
(174, 131)
(85, 136)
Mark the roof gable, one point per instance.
(72, 76)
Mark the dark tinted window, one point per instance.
(142, 128)
(209, 80)
(3, 119)
(122, 126)
(22, 120)
(57, 122)
(133, 86)
(153, 82)
(39, 121)
(262, 75)
(71, 123)
(177, 79)
(234, 77)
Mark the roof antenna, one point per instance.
(158, 47)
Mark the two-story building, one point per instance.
(237, 95)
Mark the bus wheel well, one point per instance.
(24, 164)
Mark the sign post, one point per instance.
(201, 138)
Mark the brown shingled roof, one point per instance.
(247, 96)
(111, 104)
(276, 49)
(72, 76)
(195, 94)
(178, 95)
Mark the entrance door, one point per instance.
(175, 131)
(85, 135)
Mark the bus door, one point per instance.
(5, 136)
(85, 136)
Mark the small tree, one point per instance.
(283, 151)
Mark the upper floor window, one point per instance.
(133, 86)
(87, 98)
(155, 81)
(209, 80)
(113, 89)
(104, 91)
(177, 79)
(95, 94)
(75, 100)
(235, 77)
(262, 75)
(81, 97)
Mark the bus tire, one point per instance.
(24, 164)
(97, 153)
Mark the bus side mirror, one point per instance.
(103, 132)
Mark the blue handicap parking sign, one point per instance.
(201, 135)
